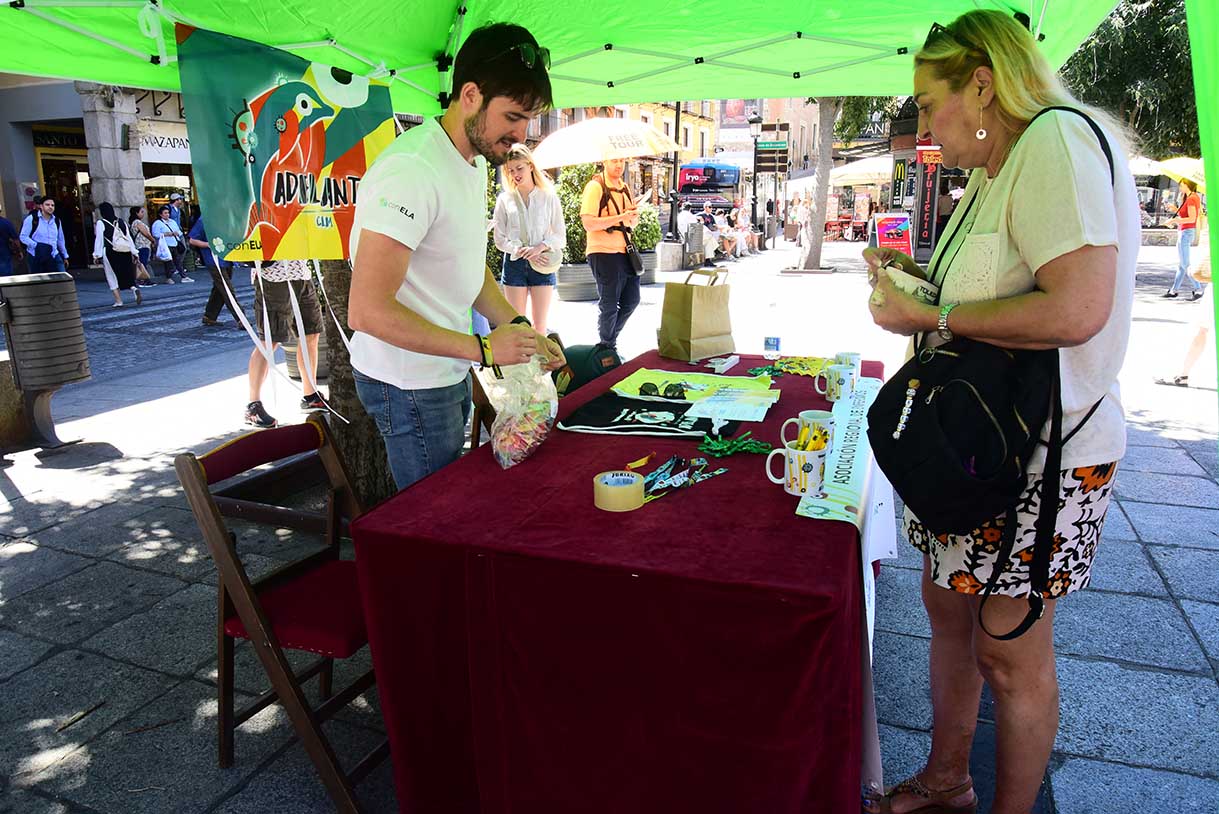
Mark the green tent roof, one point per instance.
(748, 49)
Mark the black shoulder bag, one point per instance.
(633, 258)
(954, 430)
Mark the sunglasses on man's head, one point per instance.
(530, 55)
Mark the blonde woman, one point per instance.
(1039, 253)
(530, 231)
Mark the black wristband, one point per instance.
(481, 348)
(521, 319)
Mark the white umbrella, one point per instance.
(1184, 167)
(1141, 165)
(878, 170)
(601, 139)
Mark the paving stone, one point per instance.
(1206, 453)
(903, 752)
(1190, 572)
(172, 762)
(1095, 787)
(1138, 716)
(1137, 436)
(164, 539)
(1170, 460)
(1174, 525)
(19, 653)
(48, 695)
(1205, 618)
(99, 532)
(365, 709)
(248, 673)
(1116, 526)
(25, 566)
(1177, 490)
(291, 783)
(175, 635)
(899, 603)
(83, 603)
(901, 680)
(1126, 628)
(17, 801)
(1124, 566)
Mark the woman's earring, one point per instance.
(981, 134)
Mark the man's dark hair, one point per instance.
(487, 58)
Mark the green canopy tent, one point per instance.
(635, 52)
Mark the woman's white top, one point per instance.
(520, 223)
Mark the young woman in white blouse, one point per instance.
(530, 231)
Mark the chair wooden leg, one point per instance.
(224, 717)
(325, 681)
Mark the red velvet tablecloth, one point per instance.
(535, 654)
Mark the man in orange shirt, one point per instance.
(606, 211)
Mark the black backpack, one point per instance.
(584, 363)
(953, 430)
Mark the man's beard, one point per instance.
(476, 127)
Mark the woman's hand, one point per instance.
(878, 258)
(898, 312)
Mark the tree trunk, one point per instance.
(359, 441)
(813, 227)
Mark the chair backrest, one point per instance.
(199, 474)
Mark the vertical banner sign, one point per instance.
(928, 197)
(279, 146)
(898, 184)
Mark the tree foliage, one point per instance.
(857, 111)
(1136, 65)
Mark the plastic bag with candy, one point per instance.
(525, 402)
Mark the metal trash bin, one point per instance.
(46, 343)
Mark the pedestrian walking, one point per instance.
(114, 247)
(607, 211)
(1048, 262)
(1186, 220)
(530, 231)
(275, 284)
(43, 237)
(221, 272)
(418, 250)
(10, 246)
(1204, 318)
(138, 226)
(169, 240)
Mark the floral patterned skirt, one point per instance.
(964, 562)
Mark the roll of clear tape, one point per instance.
(618, 491)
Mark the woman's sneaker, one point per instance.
(186, 279)
(314, 403)
(258, 417)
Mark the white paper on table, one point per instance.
(731, 404)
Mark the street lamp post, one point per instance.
(755, 130)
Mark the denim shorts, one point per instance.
(520, 273)
(423, 430)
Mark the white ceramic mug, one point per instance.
(803, 470)
(853, 359)
(812, 419)
(839, 382)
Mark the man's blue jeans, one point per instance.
(423, 430)
(6, 267)
(1185, 242)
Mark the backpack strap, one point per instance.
(1047, 515)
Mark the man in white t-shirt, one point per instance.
(418, 251)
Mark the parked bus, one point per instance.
(702, 181)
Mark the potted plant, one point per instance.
(647, 235)
(576, 281)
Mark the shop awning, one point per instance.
(876, 171)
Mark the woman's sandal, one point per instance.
(1175, 381)
(935, 801)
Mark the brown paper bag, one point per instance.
(694, 321)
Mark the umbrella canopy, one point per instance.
(1142, 165)
(594, 140)
(876, 170)
(1184, 168)
(683, 50)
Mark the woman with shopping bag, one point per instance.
(530, 231)
(169, 244)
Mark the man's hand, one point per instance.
(513, 344)
(552, 350)
(630, 218)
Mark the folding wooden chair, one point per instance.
(312, 604)
(484, 412)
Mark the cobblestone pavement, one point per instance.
(107, 593)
